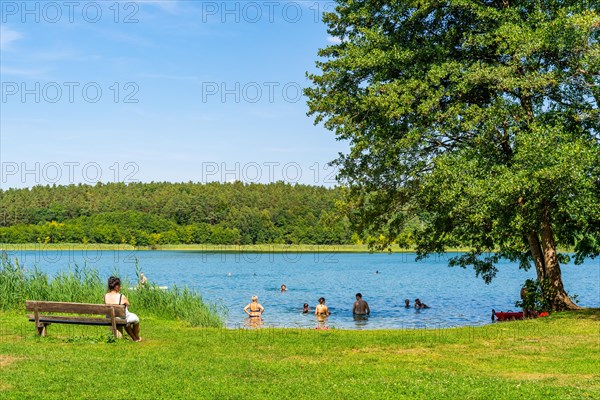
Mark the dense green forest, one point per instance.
(148, 214)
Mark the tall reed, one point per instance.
(84, 285)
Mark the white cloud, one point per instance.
(334, 40)
(7, 36)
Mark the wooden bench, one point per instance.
(112, 315)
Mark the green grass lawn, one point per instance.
(551, 358)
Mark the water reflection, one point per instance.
(361, 320)
(322, 321)
(253, 322)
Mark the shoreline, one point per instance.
(223, 248)
(209, 248)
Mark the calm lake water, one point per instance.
(455, 295)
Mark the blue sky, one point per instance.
(160, 91)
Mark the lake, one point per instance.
(455, 295)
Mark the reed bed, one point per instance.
(84, 285)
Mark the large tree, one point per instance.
(479, 117)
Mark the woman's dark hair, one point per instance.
(113, 282)
(322, 300)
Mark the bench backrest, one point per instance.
(75, 308)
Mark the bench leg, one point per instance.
(117, 332)
(41, 329)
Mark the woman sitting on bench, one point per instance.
(115, 297)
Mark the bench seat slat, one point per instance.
(60, 319)
(74, 308)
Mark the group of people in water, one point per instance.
(254, 309)
(360, 308)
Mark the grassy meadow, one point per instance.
(551, 358)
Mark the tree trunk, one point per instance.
(560, 298)
(537, 254)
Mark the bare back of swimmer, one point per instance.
(360, 307)
(321, 309)
(254, 309)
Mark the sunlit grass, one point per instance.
(549, 358)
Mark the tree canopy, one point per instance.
(147, 214)
(479, 117)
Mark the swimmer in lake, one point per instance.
(406, 303)
(322, 310)
(283, 288)
(360, 307)
(305, 309)
(254, 309)
(419, 305)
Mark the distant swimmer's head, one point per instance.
(283, 288)
(407, 302)
(254, 298)
(322, 300)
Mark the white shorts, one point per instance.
(131, 318)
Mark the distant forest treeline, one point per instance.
(148, 214)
